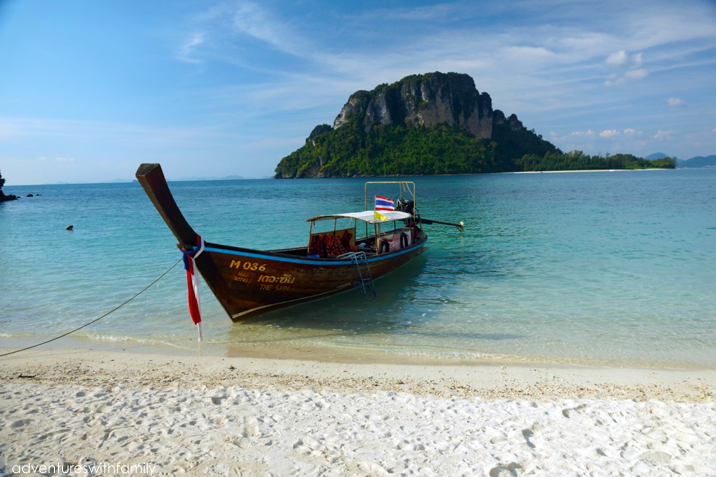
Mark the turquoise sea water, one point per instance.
(614, 268)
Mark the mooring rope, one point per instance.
(96, 319)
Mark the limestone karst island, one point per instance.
(436, 123)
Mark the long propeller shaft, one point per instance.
(430, 222)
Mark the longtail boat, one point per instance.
(249, 282)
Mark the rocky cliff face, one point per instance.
(512, 122)
(425, 100)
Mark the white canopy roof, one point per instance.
(366, 216)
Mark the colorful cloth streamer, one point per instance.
(192, 281)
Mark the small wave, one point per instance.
(132, 339)
(16, 335)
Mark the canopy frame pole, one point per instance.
(375, 237)
(310, 233)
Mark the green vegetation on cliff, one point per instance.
(512, 143)
(389, 150)
(578, 161)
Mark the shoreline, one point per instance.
(111, 368)
(249, 416)
(348, 355)
(587, 170)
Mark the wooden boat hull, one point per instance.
(249, 282)
(257, 282)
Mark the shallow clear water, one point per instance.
(612, 268)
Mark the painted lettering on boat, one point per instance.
(270, 287)
(286, 279)
(247, 265)
(241, 276)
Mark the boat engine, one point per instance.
(406, 205)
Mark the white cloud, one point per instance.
(633, 133)
(609, 133)
(636, 74)
(65, 159)
(526, 53)
(636, 60)
(260, 23)
(664, 134)
(675, 102)
(622, 59)
(618, 58)
(630, 75)
(588, 132)
(630, 63)
(713, 130)
(427, 13)
(187, 49)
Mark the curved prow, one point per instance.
(151, 177)
(155, 185)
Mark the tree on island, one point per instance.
(577, 160)
(4, 197)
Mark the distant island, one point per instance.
(210, 178)
(697, 162)
(436, 123)
(4, 197)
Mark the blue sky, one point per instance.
(90, 89)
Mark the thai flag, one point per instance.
(192, 281)
(383, 203)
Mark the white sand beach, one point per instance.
(584, 170)
(248, 416)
